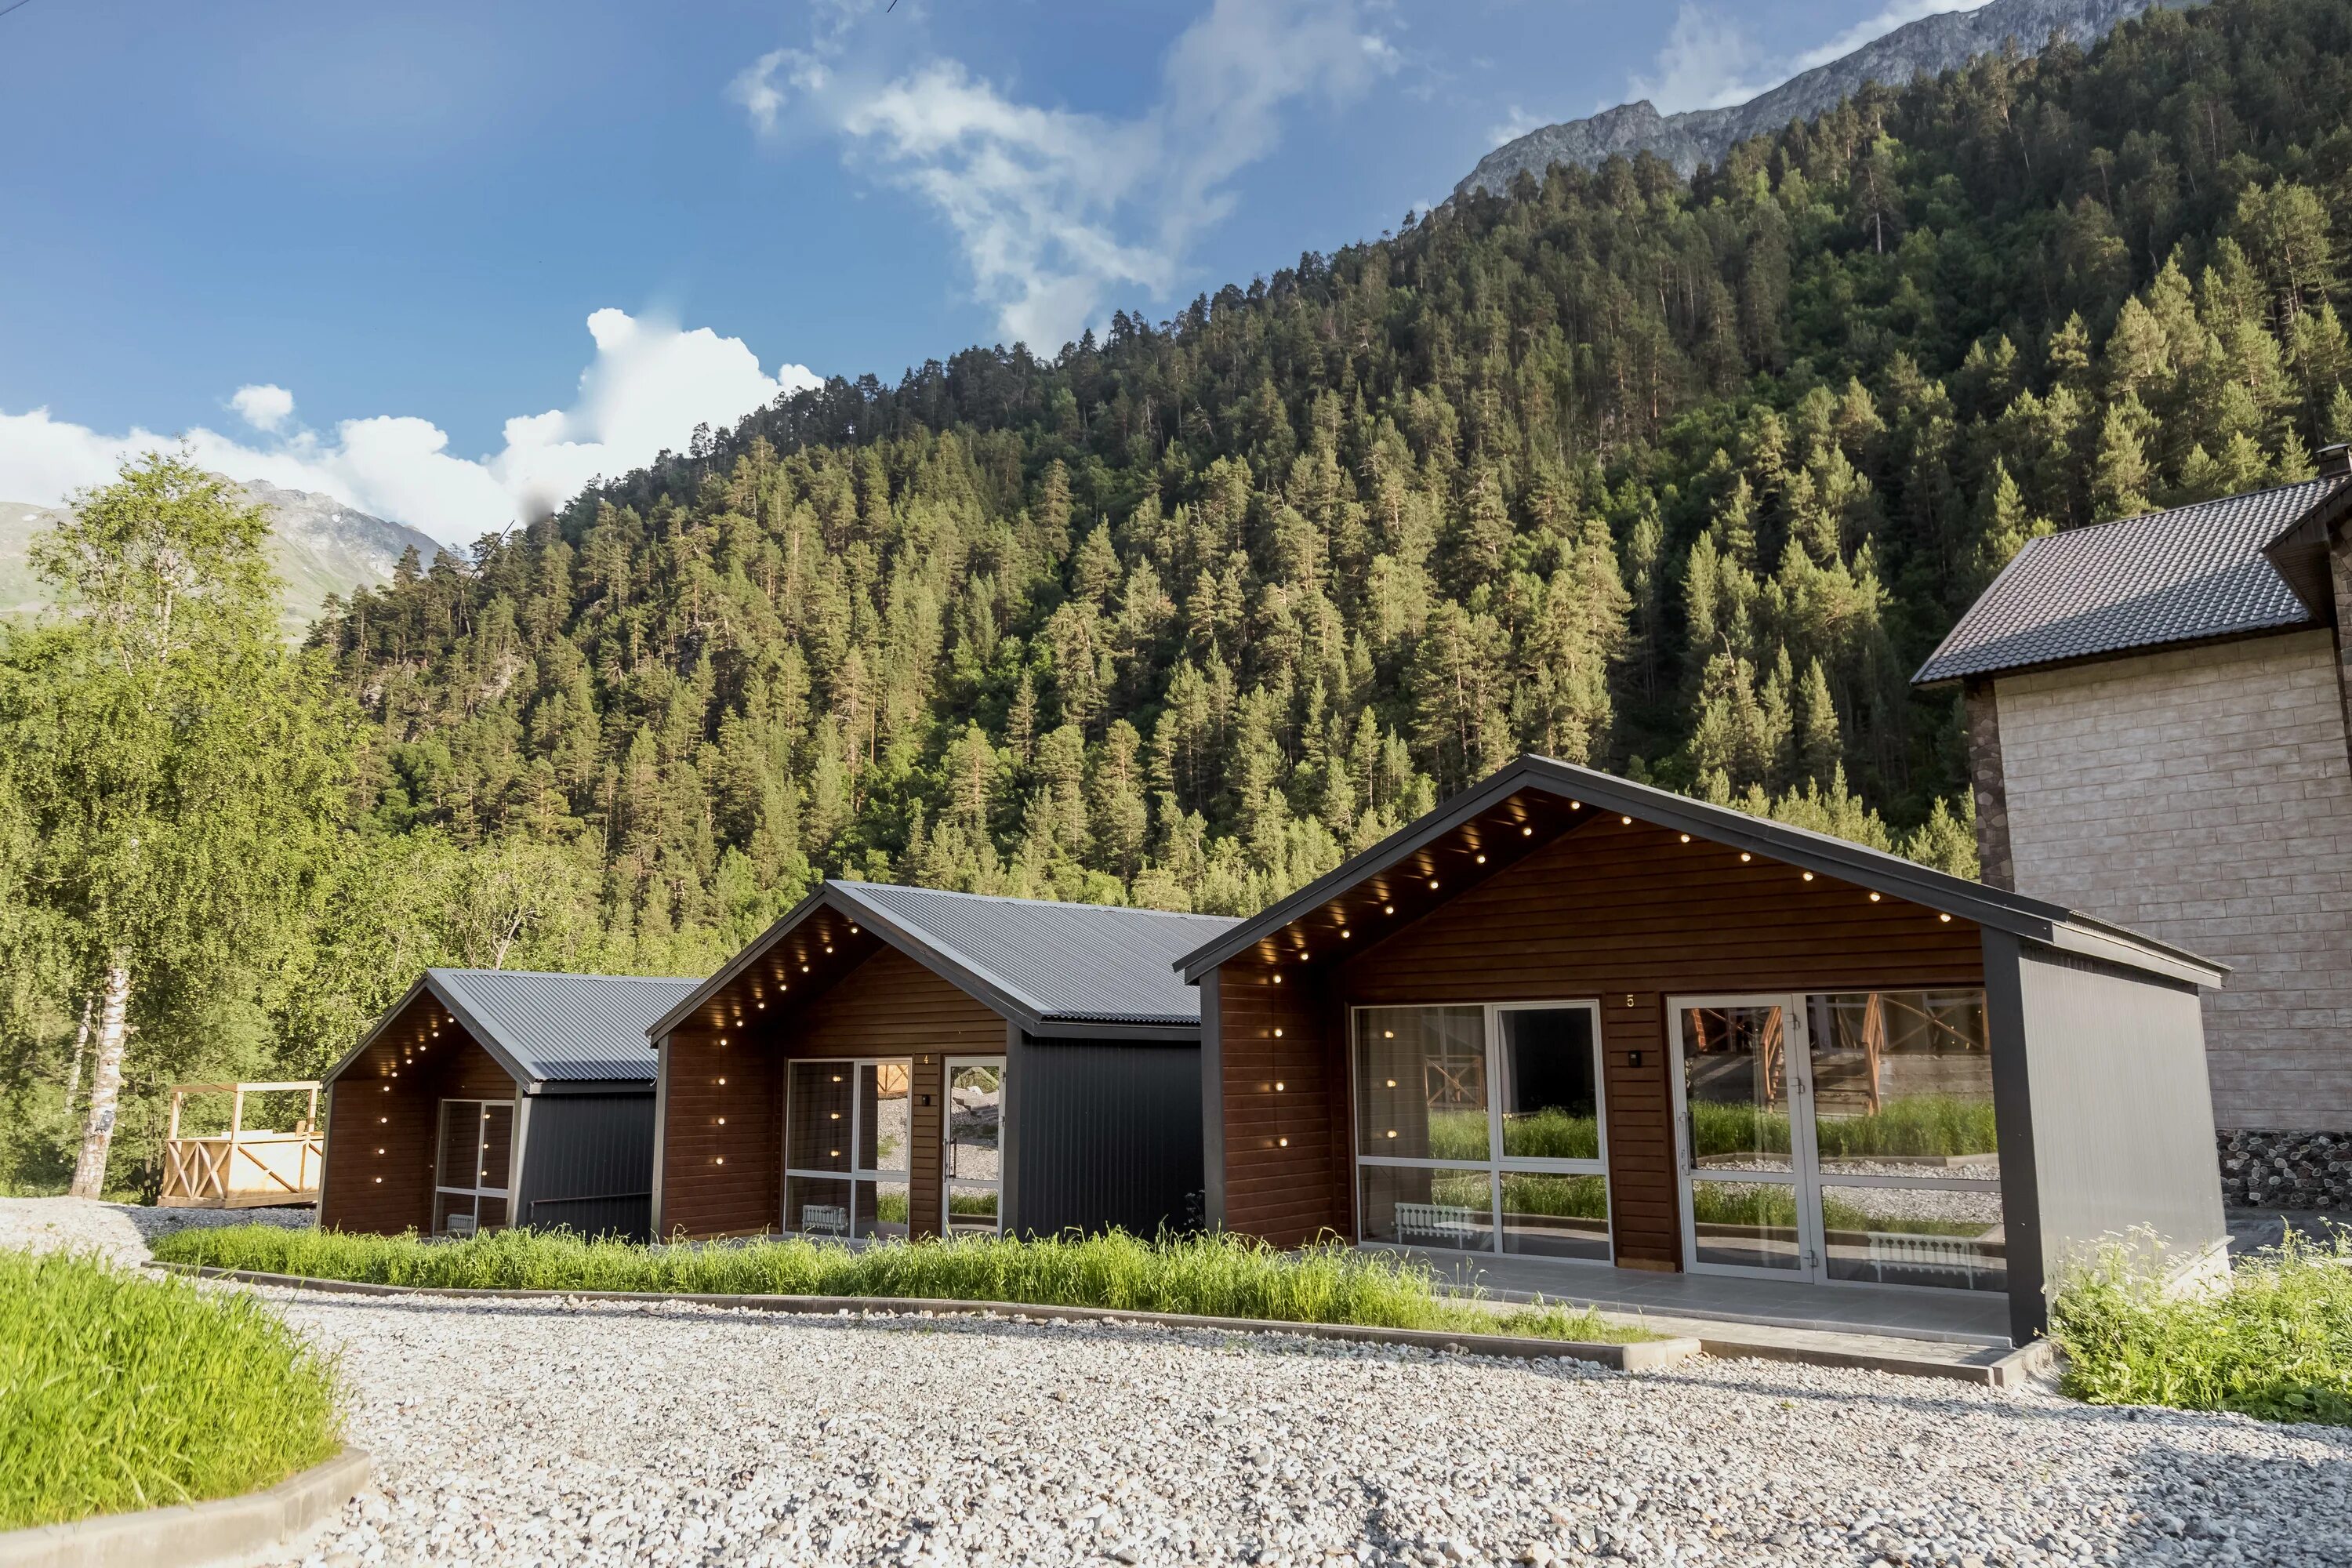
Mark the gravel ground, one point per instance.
(120, 1231)
(548, 1433)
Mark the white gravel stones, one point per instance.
(546, 1433)
(121, 1232)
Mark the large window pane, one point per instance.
(882, 1209)
(1423, 1207)
(461, 1144)
(882, 1110)
(1916, 1236)
(1551, 1108)
(1736, 1087)
(1421, 1083)
(498, 1145)
(817, 1125)
(1750, 1225)
(1546, 1216)
(1903, 1084)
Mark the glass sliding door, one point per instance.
(846, 1134)
(469, 1170)
(1905, 1139)
(973, 1168)
(1478, 1127)
(1840, 1136)
(1741, 1199)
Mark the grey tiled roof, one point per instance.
(1072, 962)
(561, 1027)
(2183, 575)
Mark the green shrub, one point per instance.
(1940, 1124)
(2276, 1344)
(119, 1392)
(1213, 1276)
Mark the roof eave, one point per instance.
(2016, 913)
(486, 1033)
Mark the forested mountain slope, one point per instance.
(1680, 477)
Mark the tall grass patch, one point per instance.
(1210, 1276)
(2277, 1343)
(119, 1392)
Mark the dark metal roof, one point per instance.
(2190, 575)
(549, 1028)
(1047, 966)
(2052, 924)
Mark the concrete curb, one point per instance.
(225, 1530)
(1990, 1369)
(1646, 1356)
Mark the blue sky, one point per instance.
(448, 260)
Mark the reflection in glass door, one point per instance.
(846, 1134)
(1846, 1135)
(972, 1169)
(1738, 1073)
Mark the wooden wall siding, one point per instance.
(1288, 1168)
(887, 1005)
(368, 1108)
(1626, 914)
(721, 1156)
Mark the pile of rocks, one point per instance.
(2286, 1170)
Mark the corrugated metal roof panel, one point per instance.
(1072, 962)
(2183, 575)
(566, 1027)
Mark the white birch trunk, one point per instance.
(105, 1081)
(73, 1072)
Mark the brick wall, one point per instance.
(2203, 795)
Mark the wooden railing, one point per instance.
(241, 1168)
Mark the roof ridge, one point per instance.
(568, 975)
(1030, 903)
(2189, 506)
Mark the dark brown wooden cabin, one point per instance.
(1568, 1019)
(489, 1098)
(892, 1061)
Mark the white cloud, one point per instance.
(1709, 62)
(264, 408)
(650, 384)
(1054, 208)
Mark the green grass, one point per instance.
(1548, 1134)
(1940, 1124)
(2276, 1344)
(1215, 1276)
(119, 1392)
(1718, 1202)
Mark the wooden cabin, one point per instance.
(1568, 1024)
(892, 1061)
(488, 1098)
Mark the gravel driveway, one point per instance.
(547, 1433)
(542, 1433)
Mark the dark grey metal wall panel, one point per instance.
(1108, 1135)
(2123, 1112)
(589, 1163)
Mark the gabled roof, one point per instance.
(1874, 869)
(548, 1028)
(1053, 968)
(2190, 574)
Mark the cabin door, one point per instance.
(469, 1177)
(1750, 1179)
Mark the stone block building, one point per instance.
(2159, 720)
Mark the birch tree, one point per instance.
(181, 767)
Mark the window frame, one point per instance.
(503, 1192)
(1496, 1164)
(854, 1173)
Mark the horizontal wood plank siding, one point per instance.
(369, 1109)
(888, 1005)
(1287, 1173)
(1626, 915)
